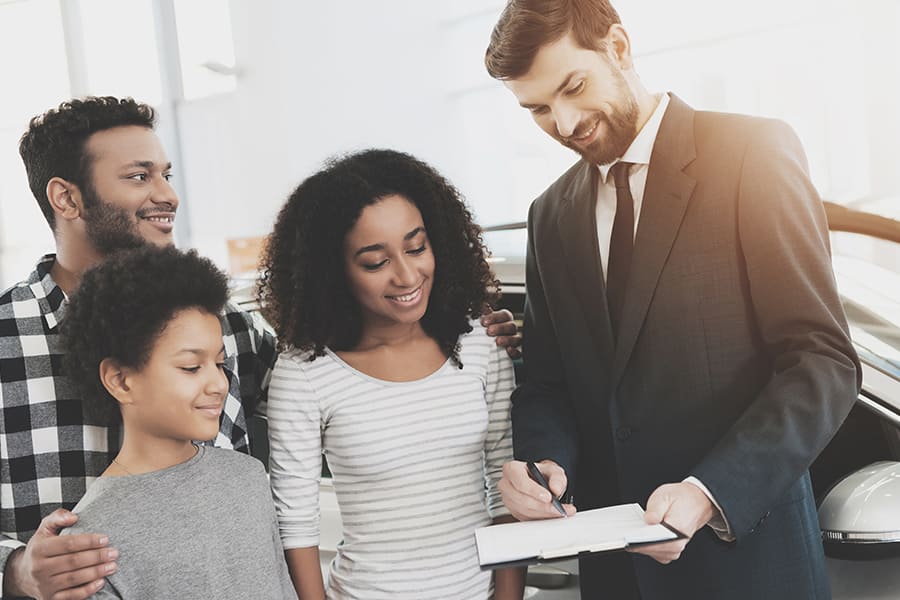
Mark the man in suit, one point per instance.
(685, 345)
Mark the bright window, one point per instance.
(206, 47)
(120, 49)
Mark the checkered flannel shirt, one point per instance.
(49, 453)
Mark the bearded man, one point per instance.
(685, 346)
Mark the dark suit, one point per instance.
(733, 362)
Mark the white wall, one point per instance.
(317, 79)
(321, 78)
(24, 234)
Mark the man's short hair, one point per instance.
(54, 144)
(121, 308)
(525, 26)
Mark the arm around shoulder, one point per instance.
(49, 564)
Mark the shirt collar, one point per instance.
(48, 294)
(641, 147)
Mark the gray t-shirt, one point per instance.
(203, 529)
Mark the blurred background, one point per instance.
(254, 96)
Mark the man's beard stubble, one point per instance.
(109, 228)
(621, 129)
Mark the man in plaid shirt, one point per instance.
(101, 179)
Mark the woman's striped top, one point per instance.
(415, 467)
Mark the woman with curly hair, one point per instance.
(374, 278)
(144, 347)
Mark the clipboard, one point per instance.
(608, 529)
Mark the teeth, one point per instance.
(408, 297)
(160, 219)
(588, 134)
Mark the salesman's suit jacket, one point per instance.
(733, 362)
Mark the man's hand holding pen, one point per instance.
(525, 498)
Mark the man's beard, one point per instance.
(621, 129)
(109, 228)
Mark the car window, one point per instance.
(868, 277)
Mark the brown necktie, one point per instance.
(621, 243)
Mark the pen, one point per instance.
(539, 478)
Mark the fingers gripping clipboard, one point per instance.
(608, 529)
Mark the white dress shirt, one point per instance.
(639, 153)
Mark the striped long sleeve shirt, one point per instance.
(415, 467)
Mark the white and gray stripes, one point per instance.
(415, 467)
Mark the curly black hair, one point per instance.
(121, 308)
(304, 291)
(53, 145)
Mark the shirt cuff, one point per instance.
(719, 524)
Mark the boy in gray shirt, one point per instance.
(144, 345)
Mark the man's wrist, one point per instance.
(719, 522)
(710, 512)
(10, 575)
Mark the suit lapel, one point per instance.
(577, 224)
(665, 201)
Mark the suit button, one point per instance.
(623, 433)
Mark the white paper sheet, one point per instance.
(609, 528)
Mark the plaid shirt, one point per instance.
(49, 452)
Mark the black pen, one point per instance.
(539, 478)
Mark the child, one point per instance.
(144, 345)
(374, 277)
